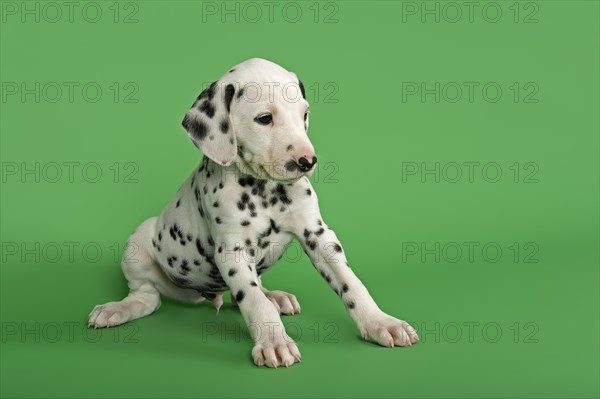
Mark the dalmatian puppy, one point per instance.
(234, 216)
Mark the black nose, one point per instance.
(305, 164)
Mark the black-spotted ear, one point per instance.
(207, 123)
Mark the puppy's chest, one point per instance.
(216, 213)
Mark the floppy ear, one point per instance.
(208, 125)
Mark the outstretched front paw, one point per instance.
(274, 347)
(389, 331)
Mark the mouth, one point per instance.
(261, 172)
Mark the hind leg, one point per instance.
(146, 282)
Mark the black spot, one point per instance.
(337, 247)
(239, 296)
(232, 272)
(176, 229)
(265, 204)
(245, 223)
(159, 236)
(231, 70)
(241, 93)
(231, 140)
(196, 262)
(218, 220)
(220, 249)
(264, 244)
(291, 166)
(306, 233)
(245, 181)
(265, 233)
(221, 185)
(253, 283)
(319, 232)
(252, 252)
(207, 108)
(197, 129)
(274, 226)
(200, 248)
(178, 203)
(302, 88)
(241, 206)
(209, 92)
(290, 147)
(216, 204)
(350, 305)
(189, 237)
(224, 126)
(273, 201)
(308, 192)
(229, 92)
(184, 266)
(245, 197)
(248, 242)
(282, 194)
(319, 222)
(345, 288)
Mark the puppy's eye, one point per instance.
(264, 119)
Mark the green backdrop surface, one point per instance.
(458, 148)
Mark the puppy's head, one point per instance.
(255, 116)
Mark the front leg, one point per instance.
(327, 255)
(273, 347)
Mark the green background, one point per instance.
(543, 299)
